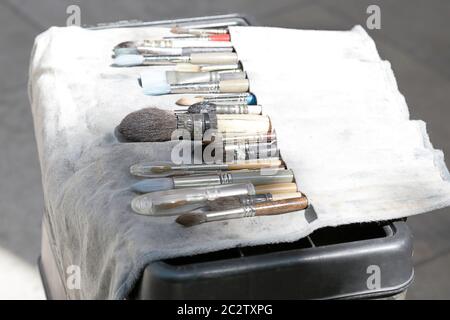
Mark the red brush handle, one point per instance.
(219, 37)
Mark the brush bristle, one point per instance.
(178, 30)
(191, 219)
(126, 44)
(224, 203)
(128, 60)
(187, 101)
(148, 125)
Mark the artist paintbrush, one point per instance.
(150, 78)
(232, 98)
(163, 169)
(153, 124)
(130, 60)
(244, 211)
(157, 51)
(256, 177)
(175, 43)
(198, 31)
(207, 107)
(162, 207)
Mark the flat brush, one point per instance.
(197, 31)
(156, 51)
(245, 211)
(150, 78)
(234, 98)
(256, 177)
(153, 124)
(162, 169)
(131, 60)
(207, 107)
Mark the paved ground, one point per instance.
(414, 37)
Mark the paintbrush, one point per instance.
(163, 169)
(175, 43)
(234, 98)
(162, 205)
(223, 86)
(198, 31)
(150, 78)
(189, 67)
(245, 211)
(207, 107)
(153, 124)
(256, 177)
(157, 51)
(131, 60)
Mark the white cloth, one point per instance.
(342, 124)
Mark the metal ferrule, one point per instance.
(207, 87)
(251, 150)
(251, 200)
(228, 99)
(229, 109)
(196, 123)
(243, 212)
(165, 60)
(196, 181)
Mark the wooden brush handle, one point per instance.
(276, 188)
(281, 206)
(257, 164)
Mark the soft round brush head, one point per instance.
(156, 88)
(148, 125)
(128, 60)
(188, 101)
(191, 219)
(126, 44)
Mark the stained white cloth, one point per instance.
(343, 128)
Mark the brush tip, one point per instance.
(191, 219)
(178, 30)
(156, 89)
(123, 51)
(128, 60)
(151, 185)
(188, 101)
(148, 125)
(153, 80)
(126, 44)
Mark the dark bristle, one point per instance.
(191, 219)
(126, 44)
(148, 125)
(224, 203)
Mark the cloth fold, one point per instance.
(343, 128)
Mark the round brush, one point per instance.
(236, 98)
(256, 177)
(130, 60)
(153, 124)
(164, 169)
(245, 211)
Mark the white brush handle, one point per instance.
(243, 124)
(214, 58)
(236, 85)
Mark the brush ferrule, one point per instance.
(246, 150)
(229, 99)
(243, 212)
(164, 60)
(196, 123)
(205, 87)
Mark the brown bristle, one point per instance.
(191, 219)
(224, 204)
(126, 44)
(148, 125)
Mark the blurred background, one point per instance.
(413, 37)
